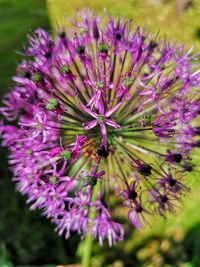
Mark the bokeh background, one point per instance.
(28, 239)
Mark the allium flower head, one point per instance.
(103, 109)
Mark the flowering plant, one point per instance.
(102, 110)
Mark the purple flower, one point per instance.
(90, 179)
(101, 119)
(164, 126)
(102, 104)
(162, 202)
(103, 227)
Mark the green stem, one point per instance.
(131, 129)
(87, 250)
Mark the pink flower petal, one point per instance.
(112, 123)
(110, 112)
(104, 135)
(99, 174)
(133, 217)
(87, 110)
(89, 125)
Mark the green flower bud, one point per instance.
(66, 155)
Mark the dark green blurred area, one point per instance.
(28, 239)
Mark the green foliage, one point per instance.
(17, 19)
(156, 15)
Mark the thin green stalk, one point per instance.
(87, 251)
(131, 129)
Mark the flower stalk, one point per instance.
(87, 243)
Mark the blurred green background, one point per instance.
(28, 239)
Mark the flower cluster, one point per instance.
(102, 110)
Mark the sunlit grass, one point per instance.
(163, 17)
